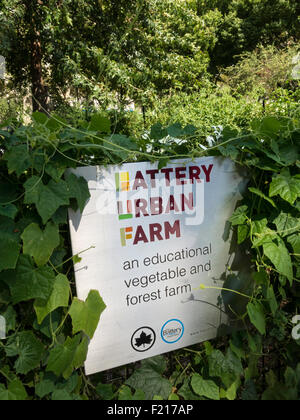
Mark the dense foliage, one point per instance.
(147, 80)
(48, 328)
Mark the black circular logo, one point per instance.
(143, 339)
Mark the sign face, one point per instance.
(161, 253)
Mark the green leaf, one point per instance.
(99, 123)
(239, 216)
(257, 316)
(125, 394)
(14, 392)
(61, 395)
(286, 224)
(105, 391)
(40, 118)
(186, 392)
(229, 368)
(45, 387)
(280, 258)
(58, 298)
(286, 186)
(150, 382)
(8, 211)
(243, 233)
(86, 315)
(79, 190)
(262, 195)
(30, 282)
(272, 300)
(47, 198)
(9, 251)
(28, 349)
(61, 358)
(40, 244)
(294, 240)
(205, 388)
(18, 159)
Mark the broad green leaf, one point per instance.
(272, 300)
(86, 315)
(9, 251)
(243, 233)
(294, 240)
(105, 391)
(40, 118)
(79, 190)
(173, 397)
(14, 392)
(262, 195)
(28, 349)
(58, 298)
(62, 356)
(61, 395)
(150, 382)
(40, 244)
(229, 368)
(99, 123)
(239, 216)
(280, 258)
(257, 316)
(287, 224)
(47, 198)
(187, 393)
(285, 185)
(30, 282)
(125, 394)
(8, 211)
(18, 159)
(205, 388)
(45, 387)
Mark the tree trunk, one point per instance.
(39, 90)
(38, 87)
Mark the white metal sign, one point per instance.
(158, 234)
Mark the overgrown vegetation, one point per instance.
(48, 328)
(130, 79)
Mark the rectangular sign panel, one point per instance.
(161, 253)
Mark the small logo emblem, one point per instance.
(143, 339)
(172, 331)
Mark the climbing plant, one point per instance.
(48, 329)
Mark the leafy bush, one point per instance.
(48, 328)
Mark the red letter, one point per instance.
(195, 172)
(172, 205)
(169, 230)
(152, 174)
(140, 206)
(155, 231)
(139, 181)
(187, 201)
(140, 236)
(156, 204)
(180, 175)
(167, 173)
(207, 171)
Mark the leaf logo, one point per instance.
(143, 339)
